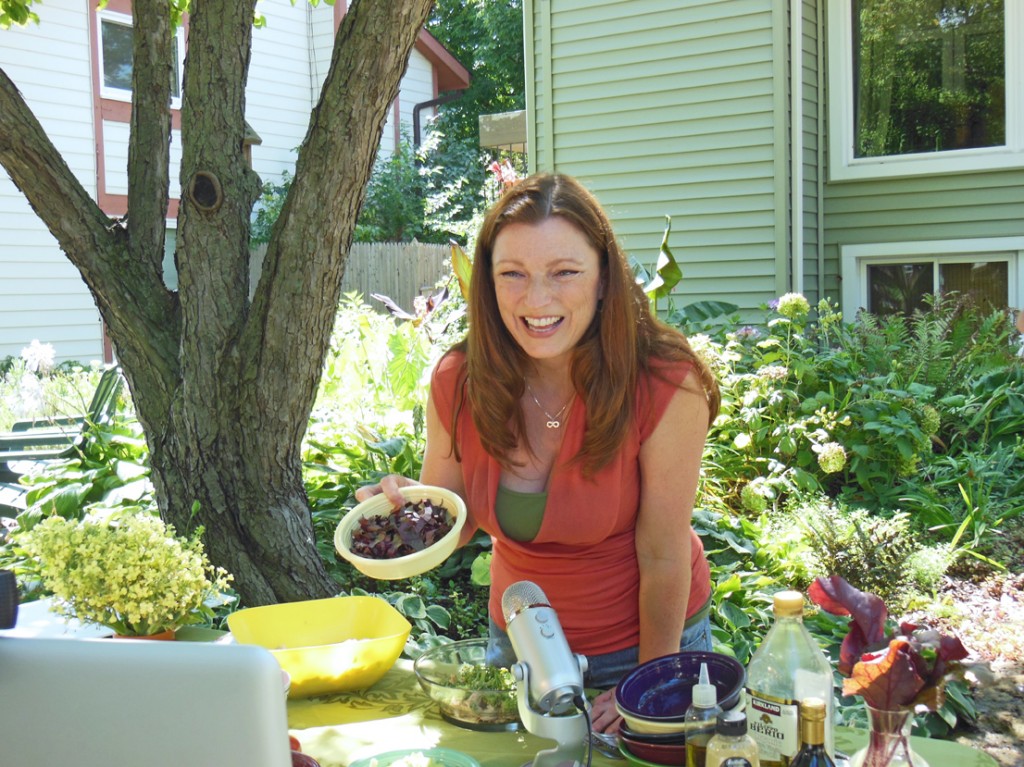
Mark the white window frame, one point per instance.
(125, 94)
(856, 259)
(843, 166)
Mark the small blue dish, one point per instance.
(661, 690)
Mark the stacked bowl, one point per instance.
(652, 700)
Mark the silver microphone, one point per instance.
(556, 674)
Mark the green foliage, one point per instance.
(486, 38)
(806, 470)
(16, 13)
(740, 605)
(27, 394)
(395, 206)
(870, 552)
(268, 208)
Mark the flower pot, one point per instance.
(166, 636)
(888, 740)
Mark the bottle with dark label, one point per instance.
(787, 667)
(812, 751)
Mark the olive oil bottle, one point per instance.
(787, 667)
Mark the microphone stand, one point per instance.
(569, 731)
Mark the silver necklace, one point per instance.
(553, 420)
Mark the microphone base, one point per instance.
(570, 731)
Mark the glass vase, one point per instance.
(888, 740)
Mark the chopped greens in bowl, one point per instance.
(469, 692)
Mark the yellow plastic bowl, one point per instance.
(326, 645)
(411, 564)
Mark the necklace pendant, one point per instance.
(553, 424)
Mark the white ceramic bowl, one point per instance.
(411, 564)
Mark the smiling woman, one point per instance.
(572, 421)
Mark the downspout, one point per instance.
(417, 108)
(822, 101)
(796, 143)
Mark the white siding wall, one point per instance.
(417, 86)
(322, 29)
(281, 88)
(41, 293)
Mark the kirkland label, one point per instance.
(774, 727)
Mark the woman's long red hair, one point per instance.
(609, 359)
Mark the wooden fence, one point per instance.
(399, 270)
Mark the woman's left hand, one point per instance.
(603, 715)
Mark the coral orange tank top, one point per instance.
(583, 556)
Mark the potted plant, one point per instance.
(128, 571)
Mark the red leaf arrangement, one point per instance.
(907, 668)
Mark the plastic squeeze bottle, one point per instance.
(788, 667)
(701, 717)
(731, 743)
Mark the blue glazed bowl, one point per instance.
(661, 690)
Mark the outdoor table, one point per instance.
(396, 714)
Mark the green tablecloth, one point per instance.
(396, 714)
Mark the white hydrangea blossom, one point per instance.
(39, 358)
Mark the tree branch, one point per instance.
(305, 258)
(149, 146)
(218, 191)
(140, 313)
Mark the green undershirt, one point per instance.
(519, 514)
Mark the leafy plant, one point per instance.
(912, 664)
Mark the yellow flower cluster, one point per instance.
(129, 572)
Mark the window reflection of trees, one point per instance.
(117, 58)
(930, 75)
(904, 288)
(117, 55)
(899, 288)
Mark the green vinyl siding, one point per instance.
(684, 109)
(670, 109)
(966, 206)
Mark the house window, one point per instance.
(929, 86)
(896, 278)
(115, 31)
(901, 288)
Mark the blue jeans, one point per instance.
(603, 671)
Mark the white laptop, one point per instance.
(125, 703)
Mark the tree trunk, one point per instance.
(223, 387)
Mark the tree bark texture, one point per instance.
(224, 387)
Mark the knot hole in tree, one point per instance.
(205, 191)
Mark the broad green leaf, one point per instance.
(481, 570)
(734, 615)
(411, 606)
(462, 267)
(667, 271)
(440, 616)
(700, 311)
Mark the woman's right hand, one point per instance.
(388, 485)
